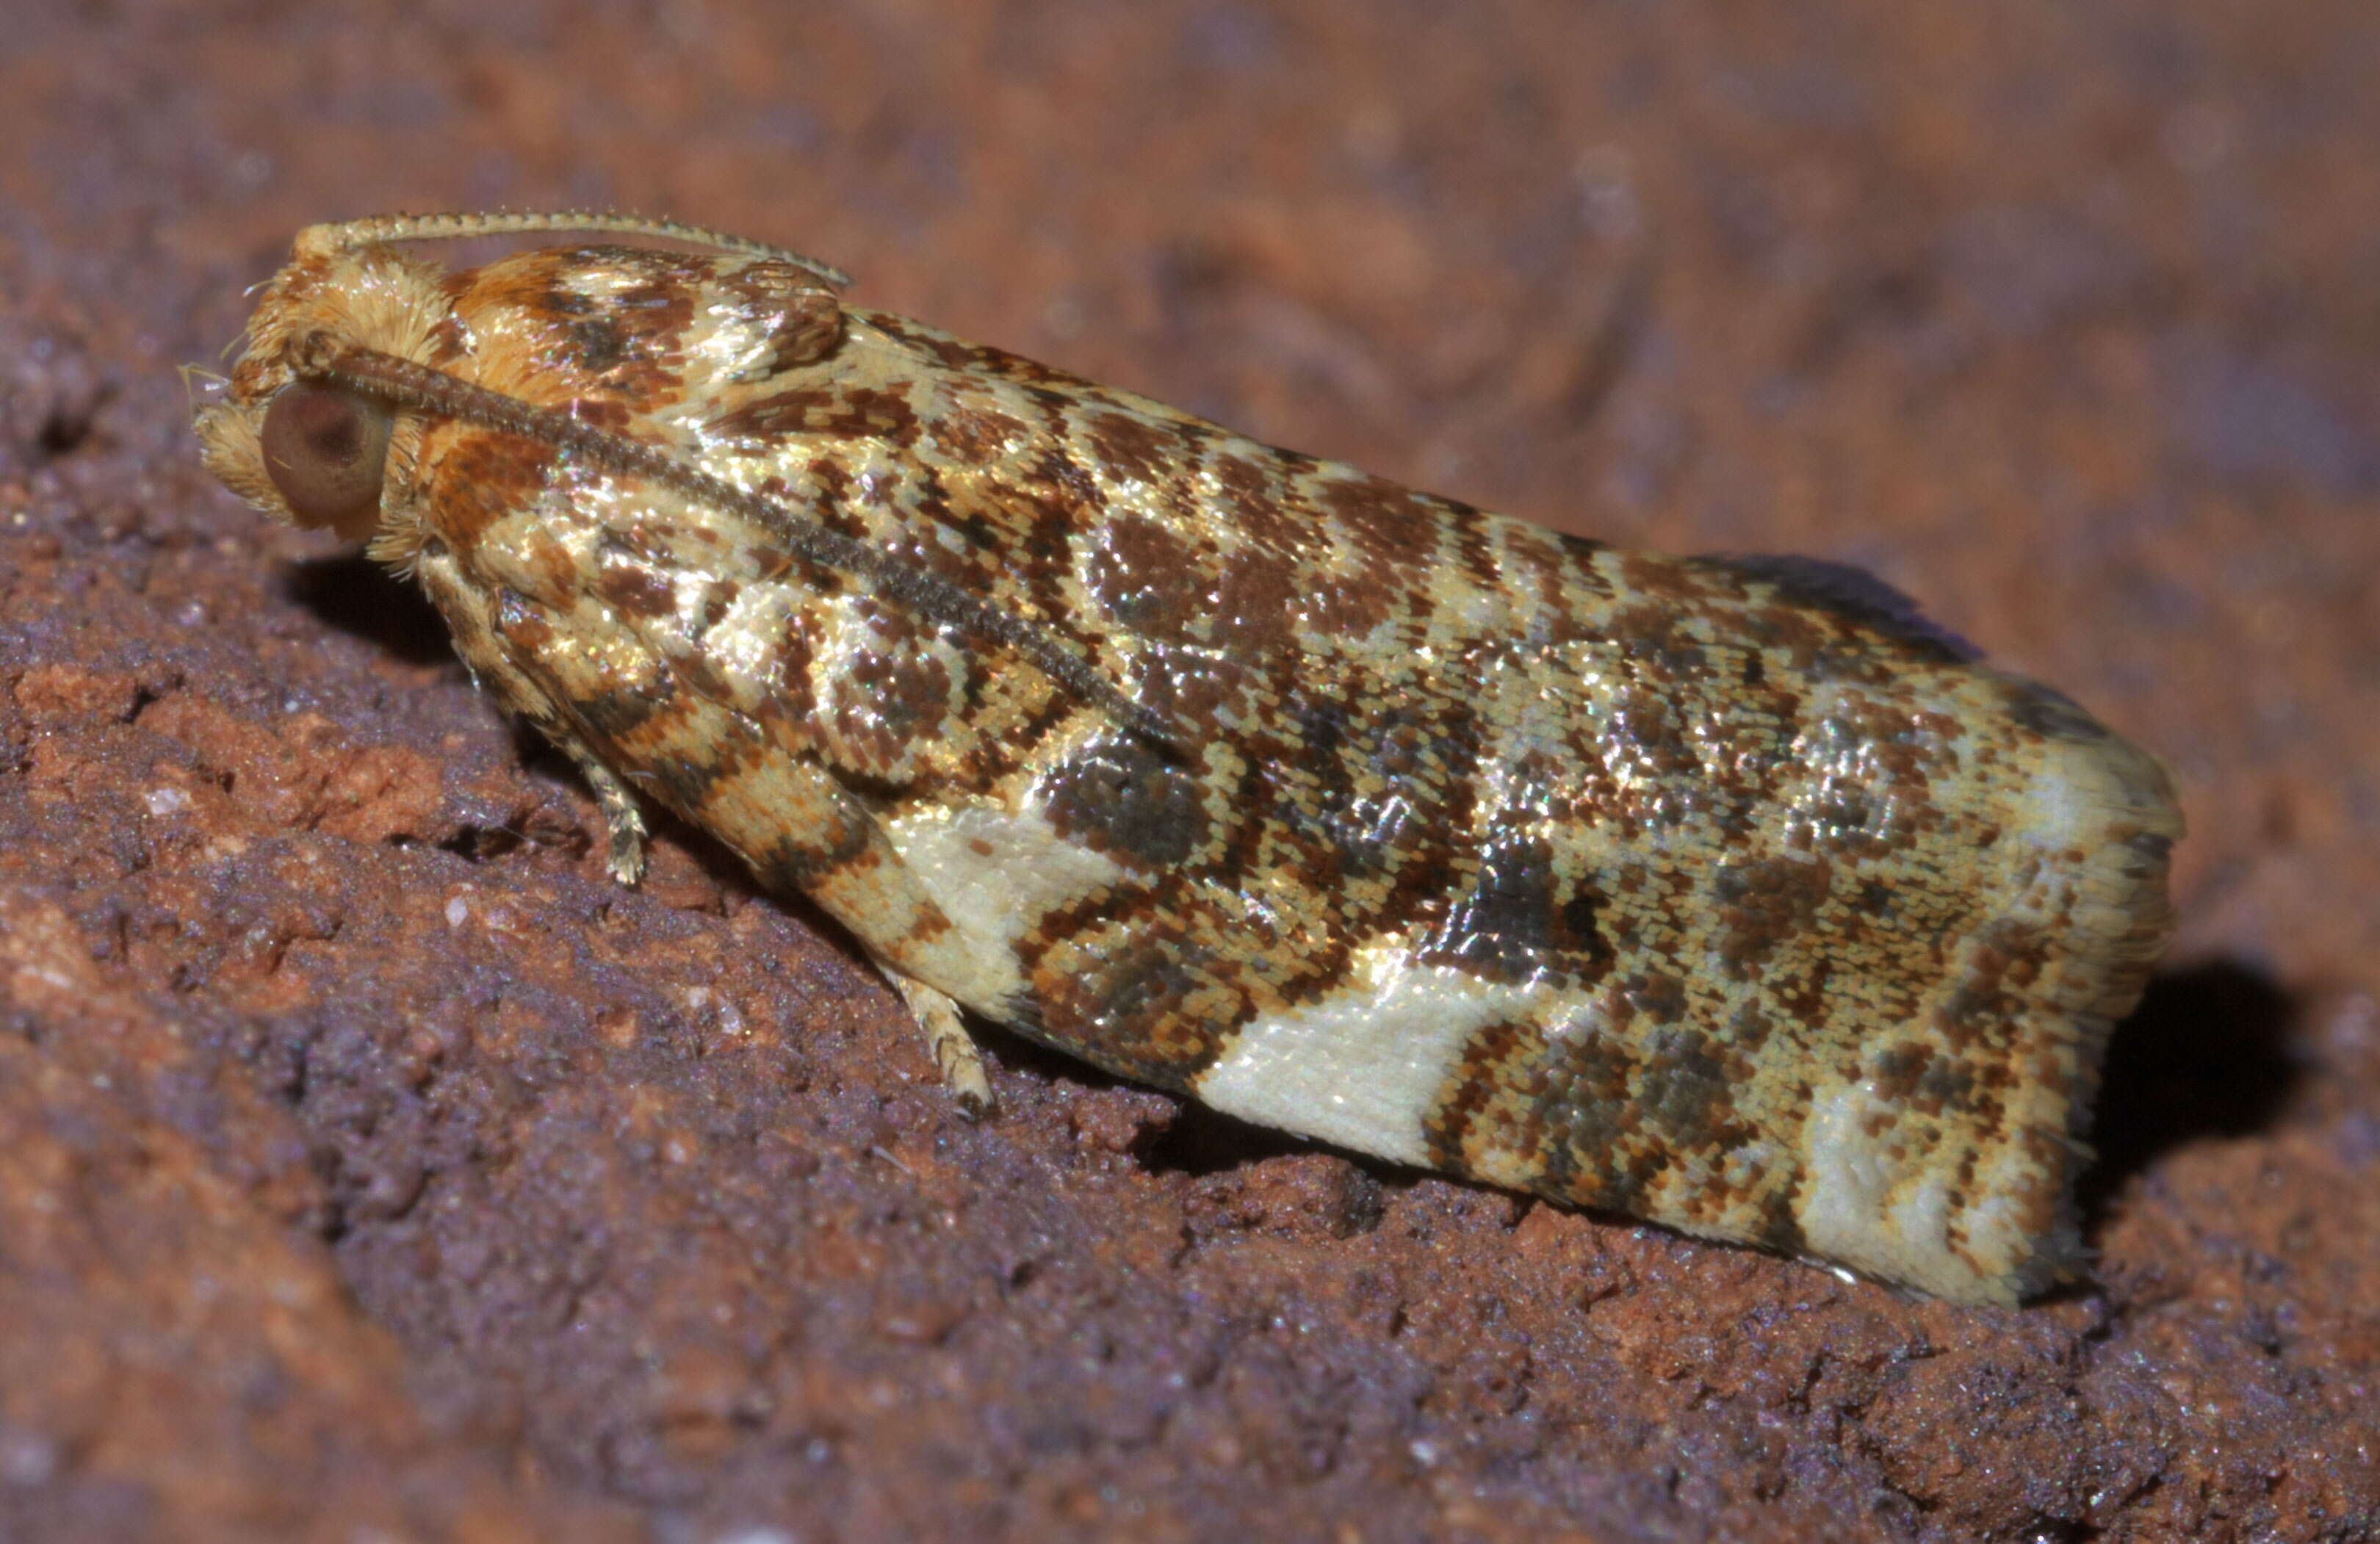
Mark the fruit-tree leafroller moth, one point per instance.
(1720, 891)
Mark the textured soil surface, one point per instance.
(373, 1167)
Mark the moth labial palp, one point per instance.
(1728, 893)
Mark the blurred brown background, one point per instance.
(370, 1167)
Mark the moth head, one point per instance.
(320, 454)
(316, 454)
(326, 452)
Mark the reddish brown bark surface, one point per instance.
(369, 1161)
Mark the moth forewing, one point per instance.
(1722, 892)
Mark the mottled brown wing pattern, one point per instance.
(1725, 892)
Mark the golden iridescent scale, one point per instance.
(1723, 892)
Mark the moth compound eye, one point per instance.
(325, 450)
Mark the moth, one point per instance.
(1723, 892)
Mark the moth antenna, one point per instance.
(403, 383)
(345, 235)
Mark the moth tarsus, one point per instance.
(1728, 891)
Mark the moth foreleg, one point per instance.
(624, 824)
(955, 1053)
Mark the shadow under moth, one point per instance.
(1725, 892)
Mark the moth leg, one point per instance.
(955, 1053)
(624, 824)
